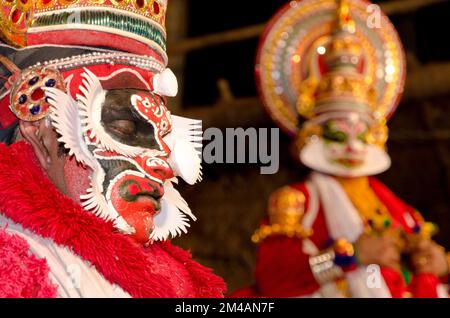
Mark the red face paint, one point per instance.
(76, 177)
(135, 186)
(137, 197)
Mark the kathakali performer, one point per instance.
(90, 154)
(341, 232)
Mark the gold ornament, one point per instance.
(366, 202)
(344, 19)
(306, 99)
(18, 16)
(286, 210)
(308, 131)
(378, 134)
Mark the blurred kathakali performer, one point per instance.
(341, 232)
(90, 154)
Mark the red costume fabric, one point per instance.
(22, 275)
(283, 270)
(29, 198)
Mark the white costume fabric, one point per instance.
(343, 221)
(74, 277)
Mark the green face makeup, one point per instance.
(345, 142)
(331, 133)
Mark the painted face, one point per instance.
(345, 141)
(134, 148)
(134, 185)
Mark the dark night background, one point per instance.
(423, 32)
(232, 198)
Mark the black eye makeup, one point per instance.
(124, 124)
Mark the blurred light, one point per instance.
(296, 58)
(390, 69)
(321, 50)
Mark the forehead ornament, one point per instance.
(27, 99)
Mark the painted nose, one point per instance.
(354, 146)
(162, 172)
(157, 168)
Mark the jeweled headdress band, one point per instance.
(77, 61)
(87, 58)
(122, 21)
(135, 26)
(40, 67)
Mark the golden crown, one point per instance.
(342, 86)
(143, 20)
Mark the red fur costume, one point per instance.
(29, 198)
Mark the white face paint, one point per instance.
(345, 141)
(135, 154)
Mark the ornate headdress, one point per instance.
(136, 26)
(113, 34)
(322, 58)
(342, 85)
(72, 52)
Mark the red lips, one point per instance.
(137, 200)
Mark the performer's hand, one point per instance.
(380, 250)
(429, 257)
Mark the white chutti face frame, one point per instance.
(79, 125)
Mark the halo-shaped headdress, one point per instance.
(293, 61)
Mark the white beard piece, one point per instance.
(171, 221)
(165, 83)
(95, 202)
(67, 123)
(90, 104)
(185, 143)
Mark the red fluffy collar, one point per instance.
(29, 198)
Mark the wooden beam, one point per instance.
(241, 34)
(442, 135)
(428, 81)
(254, 31)
(422, 82)
(240, 112)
